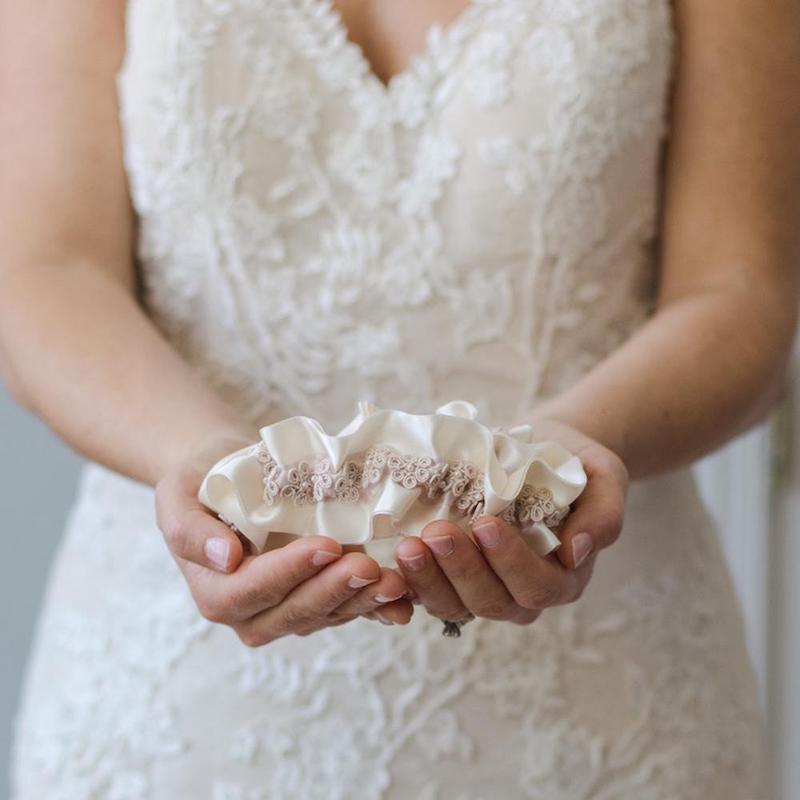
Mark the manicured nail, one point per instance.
(413, 563)
(217, 551)
(382, 598)
(323, 557)
(487, 534)
(357, 582)
(441, 545)
(582, 544)
(382, 619)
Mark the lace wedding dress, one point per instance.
(481, 228)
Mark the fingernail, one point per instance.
(382, 598)
(441, 545)
(382, 619)
(487, 534)
(414, 563)
(581, 547)
(217, 551)
(356, 582)
(323, 557)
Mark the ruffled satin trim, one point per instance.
(389, 473)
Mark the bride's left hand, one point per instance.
(501, 577)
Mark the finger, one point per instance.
(397, 613)
(193, 532)
(595, 521)
(425, 577)
(410, 593)
(389, 588)
(476, 583)
(262, 581)
(534, 581)
(390, 613)
(308, 607)
(525, 616)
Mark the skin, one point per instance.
(707, 365)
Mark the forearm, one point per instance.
(80, 353)
(703, 369)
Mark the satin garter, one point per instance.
(388, 473)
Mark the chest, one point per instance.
(389, 34)
(302, 216)
(477, 120)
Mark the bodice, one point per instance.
(482, 228)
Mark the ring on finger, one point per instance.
(452, 627)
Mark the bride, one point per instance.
(217, 214)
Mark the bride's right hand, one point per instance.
(298, 588)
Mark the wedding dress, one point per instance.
(481, 228)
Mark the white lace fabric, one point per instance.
(389, 473)
(413, 238)
(483, 229)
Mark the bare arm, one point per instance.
(711, 361)
(77, 349)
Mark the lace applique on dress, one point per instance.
(448, 203)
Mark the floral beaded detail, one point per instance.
(315, 481)
(270, 470)
(534, 505)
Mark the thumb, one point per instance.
(193, 532)
(595, 521)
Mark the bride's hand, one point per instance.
(501, 577)
(298, 588)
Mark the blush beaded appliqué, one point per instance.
(314, 481)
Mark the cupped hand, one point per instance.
(499, 576)
(303, 586)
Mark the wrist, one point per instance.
(199, 450)
(554, 412)
(573, 423)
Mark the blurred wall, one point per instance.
(753, 488)
(38, 475)
(784, 595)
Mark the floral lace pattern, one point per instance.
(316, 480)
(411, 237)
(640, 691)
(483, 229)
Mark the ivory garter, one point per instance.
(389, 473)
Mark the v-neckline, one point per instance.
(446, 32)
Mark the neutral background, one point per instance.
(38, 475)
(753, 487)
